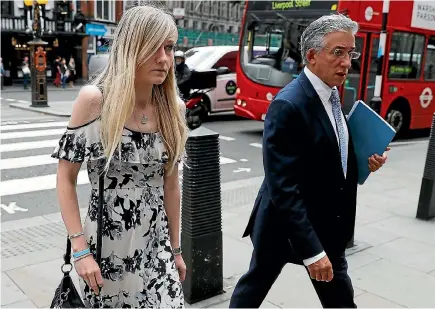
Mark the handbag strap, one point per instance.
(67, 255)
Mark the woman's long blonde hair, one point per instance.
(140, 32)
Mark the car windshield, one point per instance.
(195, 57)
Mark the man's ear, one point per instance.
(311, 56)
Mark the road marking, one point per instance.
(12, 208)
(38, 183)
(9, 127)
(39, 133)
(10, 100)
(6, 164)
(243, 160)
(23, 101)
(242, 169)
(226, 138)
(256, 145)
(29, 145)
(48, 182)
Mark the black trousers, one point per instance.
(253, 286)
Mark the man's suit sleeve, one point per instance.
(283, 159)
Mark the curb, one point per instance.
(40, 110)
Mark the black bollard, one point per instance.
(426, 203)
(201, 217)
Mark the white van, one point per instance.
(202, 58)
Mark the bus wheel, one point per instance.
(399, 116)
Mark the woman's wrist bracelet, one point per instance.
(81, 253)
(82, 257)
(75, 235)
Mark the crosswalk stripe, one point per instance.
(38, 133)
(48, 182)
(38, 183)
(29, 145)
(256, 145)
(9, 127)
(226, 138)
(6, 164)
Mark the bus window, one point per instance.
(271, 52)
(429, 65)
(405, 57)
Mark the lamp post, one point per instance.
(38, 61)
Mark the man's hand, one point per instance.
(321, 270)
(376, 161)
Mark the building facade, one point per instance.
(64, 28)
(83, 28)
(204, 22)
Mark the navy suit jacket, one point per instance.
(305, 204)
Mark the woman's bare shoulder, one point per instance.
(87, 106)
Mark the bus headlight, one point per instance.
(238, 91)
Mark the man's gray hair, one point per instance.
(314, 35)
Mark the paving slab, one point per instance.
(411, 228)
(369, 300)
(39, 281)
(360, 259)
(407, 252)
(10, 292)
(397, 283)
(372, 235)
(237, 257)
(21, 304)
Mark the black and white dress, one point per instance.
(137, 262)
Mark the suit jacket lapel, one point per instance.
(318, 108)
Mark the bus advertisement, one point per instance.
(408, 72)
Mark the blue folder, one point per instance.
(371, 134)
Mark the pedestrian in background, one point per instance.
(72, 71)
(305, 209)
(25, 68)
(64, 72)
(129, 124)
(56, 72)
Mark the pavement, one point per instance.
(392, 264)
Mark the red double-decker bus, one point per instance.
(408, 70)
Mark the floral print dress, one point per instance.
(137, 264)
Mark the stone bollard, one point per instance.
(201, 217)
(426, 203)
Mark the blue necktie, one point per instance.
(336, 111)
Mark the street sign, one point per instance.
(95, 29)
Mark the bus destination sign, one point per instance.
(292, 5)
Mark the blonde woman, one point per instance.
(130, 123)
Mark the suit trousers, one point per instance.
(252, 288)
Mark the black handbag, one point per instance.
(66, 294)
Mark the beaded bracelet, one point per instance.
(81, 253)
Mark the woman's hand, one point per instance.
(88, 269)
(181, 267)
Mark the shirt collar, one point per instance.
(323, 90)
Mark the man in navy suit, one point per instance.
(305, 209)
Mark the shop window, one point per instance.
(406, 54)
(105, 9)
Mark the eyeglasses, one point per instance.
(341, 53)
